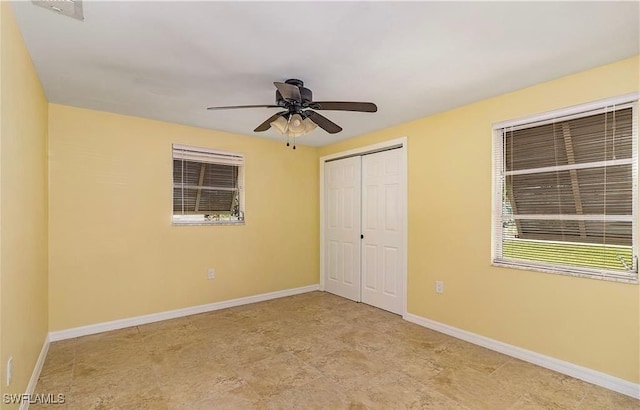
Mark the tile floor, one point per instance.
(310, 351)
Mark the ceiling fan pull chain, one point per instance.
(294, 138)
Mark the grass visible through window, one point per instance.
(610, 257)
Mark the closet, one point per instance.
(364, 228)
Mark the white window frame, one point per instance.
(218, 157)
(597, 107)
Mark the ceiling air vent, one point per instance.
(71, 8)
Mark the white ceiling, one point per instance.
(170, 60)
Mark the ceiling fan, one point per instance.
(298, 117)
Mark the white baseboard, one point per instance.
(579, 372)
(172, 314)
(31, 387)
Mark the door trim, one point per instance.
(402, 141)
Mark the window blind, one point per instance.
(206, 185)
(566, 189)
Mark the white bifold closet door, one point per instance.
(382, 228)
(364, 230)
(342, 229)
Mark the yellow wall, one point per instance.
(2, 369)
(113, 251)
(23, 207)
(584, 321)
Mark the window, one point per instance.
(207, 186)
(566, 192)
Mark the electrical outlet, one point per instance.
(211, 274)
(9, 370)
(439, 286)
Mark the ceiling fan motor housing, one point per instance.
(305, 94)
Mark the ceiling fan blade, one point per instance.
(242, 106)
(288, 91)
(323, 122)
(267, 124)
(345, 106)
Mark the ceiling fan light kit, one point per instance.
(299, 117)
(294, 127)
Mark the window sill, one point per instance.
(576, 273)
(214, 223)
